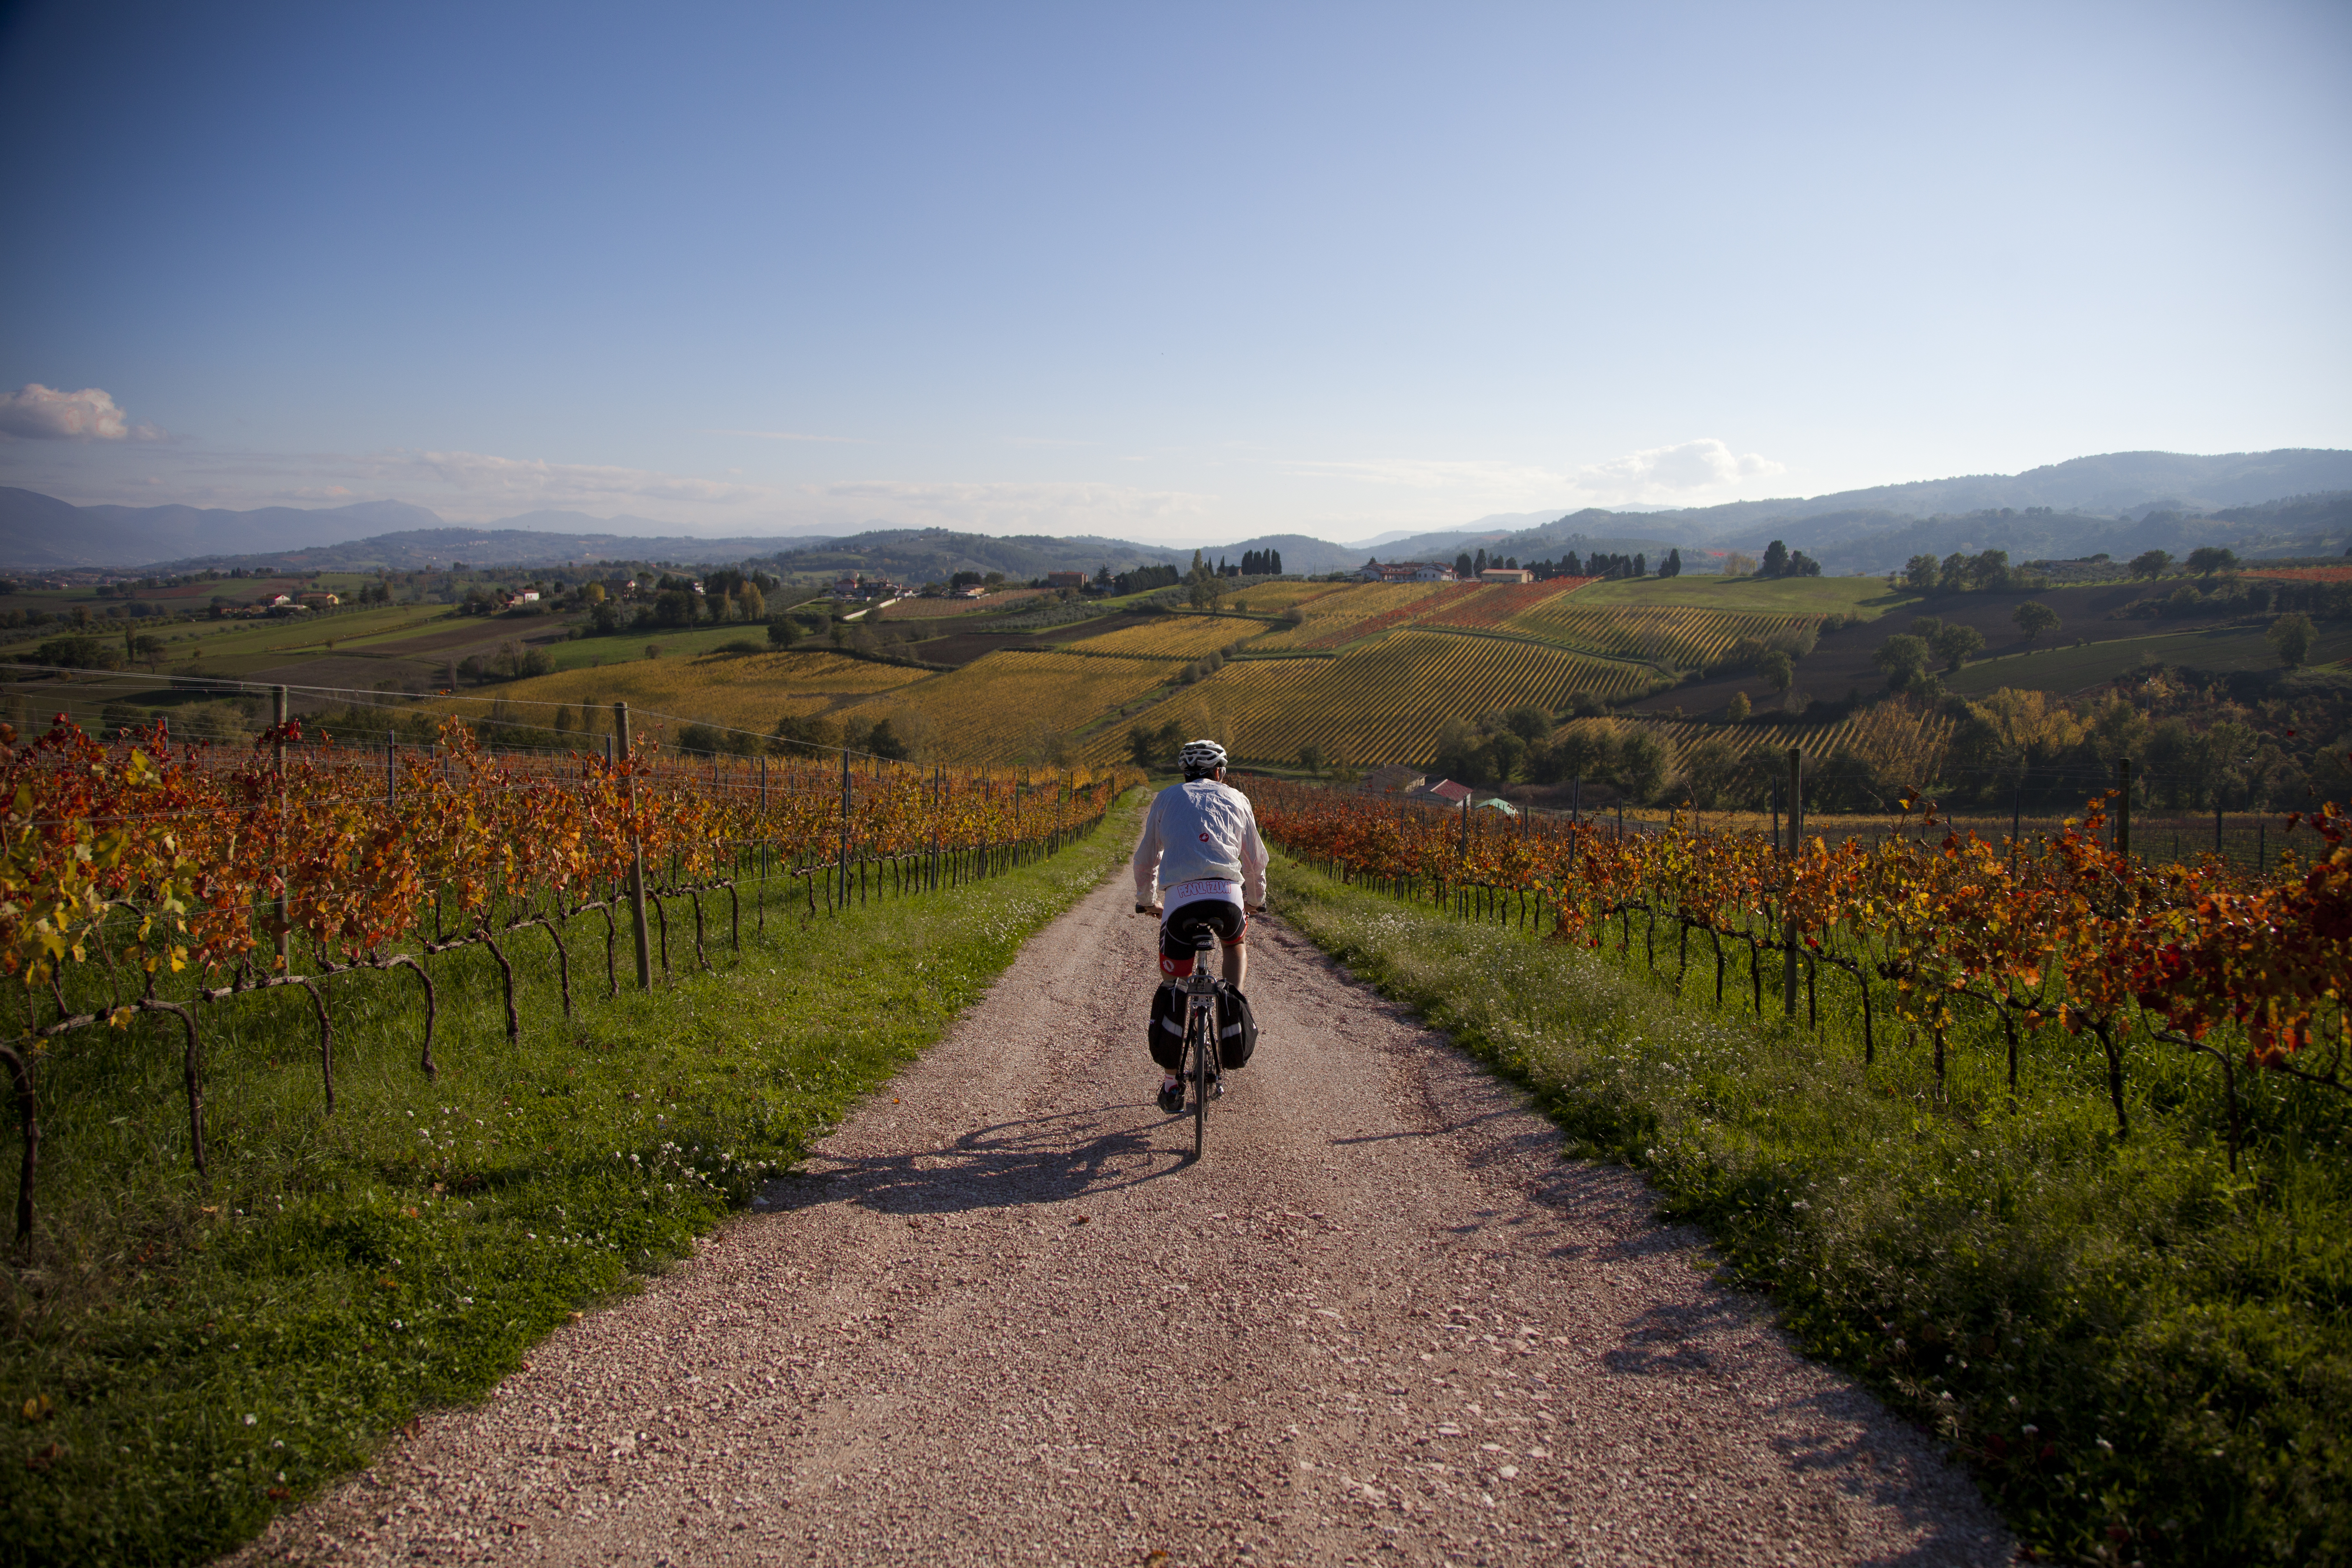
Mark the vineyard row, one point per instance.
(2071, 933)
(139, 878)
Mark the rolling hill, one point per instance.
(2292, 501)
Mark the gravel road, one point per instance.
(1002, 1319)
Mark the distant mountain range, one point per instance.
(2117, 485)
(2294, 501)
(38, 532)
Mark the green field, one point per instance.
(210, 1356)
(2071, 669)
(1865, 596)
(246, 642)
(623, 647)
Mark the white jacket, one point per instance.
(1198, 832)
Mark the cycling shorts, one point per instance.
(1223, 916)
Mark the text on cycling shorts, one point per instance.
(1210, 901)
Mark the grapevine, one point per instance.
(2068, 934)
(137, 876)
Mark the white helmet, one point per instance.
(1198, 758)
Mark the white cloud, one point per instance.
(1689, 474)
(1672, 473)
(37, 413)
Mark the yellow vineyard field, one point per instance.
(1676, 636)
(1380, 703)
(1273, 598)
(936, 609)
(1012, 703)
(1887, 736)
(745, 691)
(1175, 636)
(1337, 610)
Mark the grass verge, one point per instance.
(180, 1363)
(2142, 1356)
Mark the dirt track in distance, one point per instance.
(1001, 1320)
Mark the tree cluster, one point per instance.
(1261, 564)
(1145, 579)
(2206, 560)
(2194, 749)
(1779, 561)
(2247, 596)
(1987, 572)
(1468, 566)
(1522, 743)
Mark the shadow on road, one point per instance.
(1035, 1160)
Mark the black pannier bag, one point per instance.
(1236, 1027)
(1167, 1028)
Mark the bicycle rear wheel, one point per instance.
(1199, 1034)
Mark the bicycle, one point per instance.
(1201, 1057)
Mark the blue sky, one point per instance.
(1182, 273)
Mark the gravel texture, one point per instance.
(1002, 1319)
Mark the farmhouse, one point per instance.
(1506, 574)
(1404, 572)
(1394, 778)
(1065, 579)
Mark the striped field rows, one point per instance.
(1675, 636)
(1330, 615)
(1015, 703)
(1497, 603)
(1883, 736)
(1381, 704)
(1173, 637)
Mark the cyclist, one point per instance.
(1200, 848)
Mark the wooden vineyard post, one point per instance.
(278, 766)
(636, 859)
(2123, 806)
(391, 769)
(1788, 921)
(841, 880)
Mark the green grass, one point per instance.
(2248, 647)
(2069, 668)
(1867, 596)
(674, 642)
(232, 646)
(2116, 1335)
(210, 1357)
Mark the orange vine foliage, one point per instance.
(142, 855)
(2065, 931)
